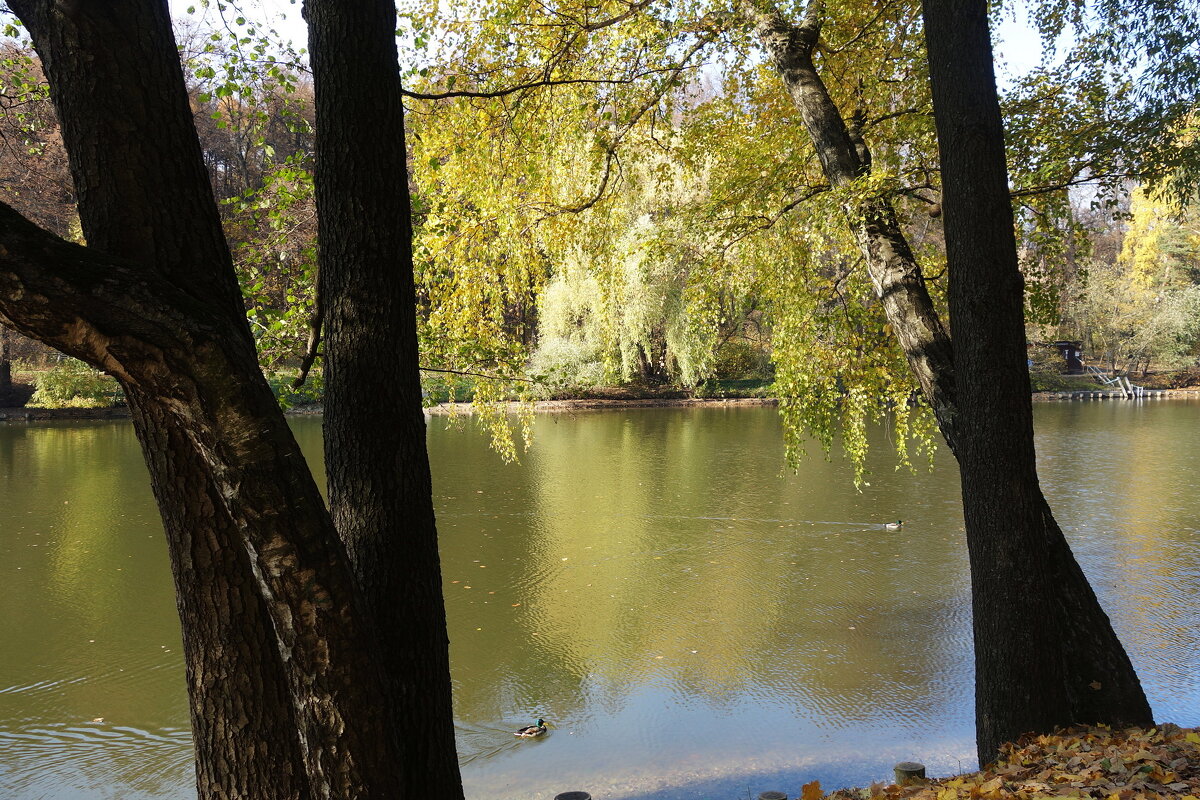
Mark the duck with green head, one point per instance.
(893, 526)
(529, 731)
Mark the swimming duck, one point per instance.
(529, 731)
(893, 526)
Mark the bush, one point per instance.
(442, 387)
(742, 360)
(73, 384)
(567, 366)
(736, 388)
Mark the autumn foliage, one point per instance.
(1091, 762)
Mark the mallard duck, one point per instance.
(893, 526)
(529, 731)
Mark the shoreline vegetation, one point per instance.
(621, 399)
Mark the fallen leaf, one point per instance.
(992, 787)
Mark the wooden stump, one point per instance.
(909, 772)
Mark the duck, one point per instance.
(893, 526)
(529, 731)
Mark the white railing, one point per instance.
(1122, 383)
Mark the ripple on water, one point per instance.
(94, 760)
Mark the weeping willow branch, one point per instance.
(618, 135)
(477, 374)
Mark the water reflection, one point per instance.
(662, 590)
(91, 677)
(692, 620)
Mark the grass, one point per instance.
(1054, 382)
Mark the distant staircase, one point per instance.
(1122, 384)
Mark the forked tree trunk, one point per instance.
(375, 455)
(1045, 653)
(287, 691)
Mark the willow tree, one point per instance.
(845, 192)
(291, 693)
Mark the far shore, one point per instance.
(32, 414)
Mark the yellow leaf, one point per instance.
(992, 787)
(811, 791)
(1194, 737)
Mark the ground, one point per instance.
(1083, 762)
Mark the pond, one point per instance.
(693, 620)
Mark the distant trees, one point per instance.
(1139, 307)
(34, 177)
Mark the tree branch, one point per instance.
(74, 298)
(611, 146)
(314, 334)
(530, 85)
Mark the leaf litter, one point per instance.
(1078, 762)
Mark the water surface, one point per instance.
(695, 621)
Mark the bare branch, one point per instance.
(530, 85)
(633, 9)
(314, 337)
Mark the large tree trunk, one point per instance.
(844, 158)
(227, 641)
(375, 453)
(286, 687)
(241, 713)
(1045, 653)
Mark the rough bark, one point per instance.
(844, 158)
(1045, 652)
(375, 454)
(241, 712)
(236, 692)
(282, 657)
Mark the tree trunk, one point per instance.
(380, 494)
(1028, 586)
(5, 363)
(844, 158)
(1045, 652)
(240, 708)
(282, 659)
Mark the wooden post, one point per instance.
(909, 773)
(772, 796)
(573, 796)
